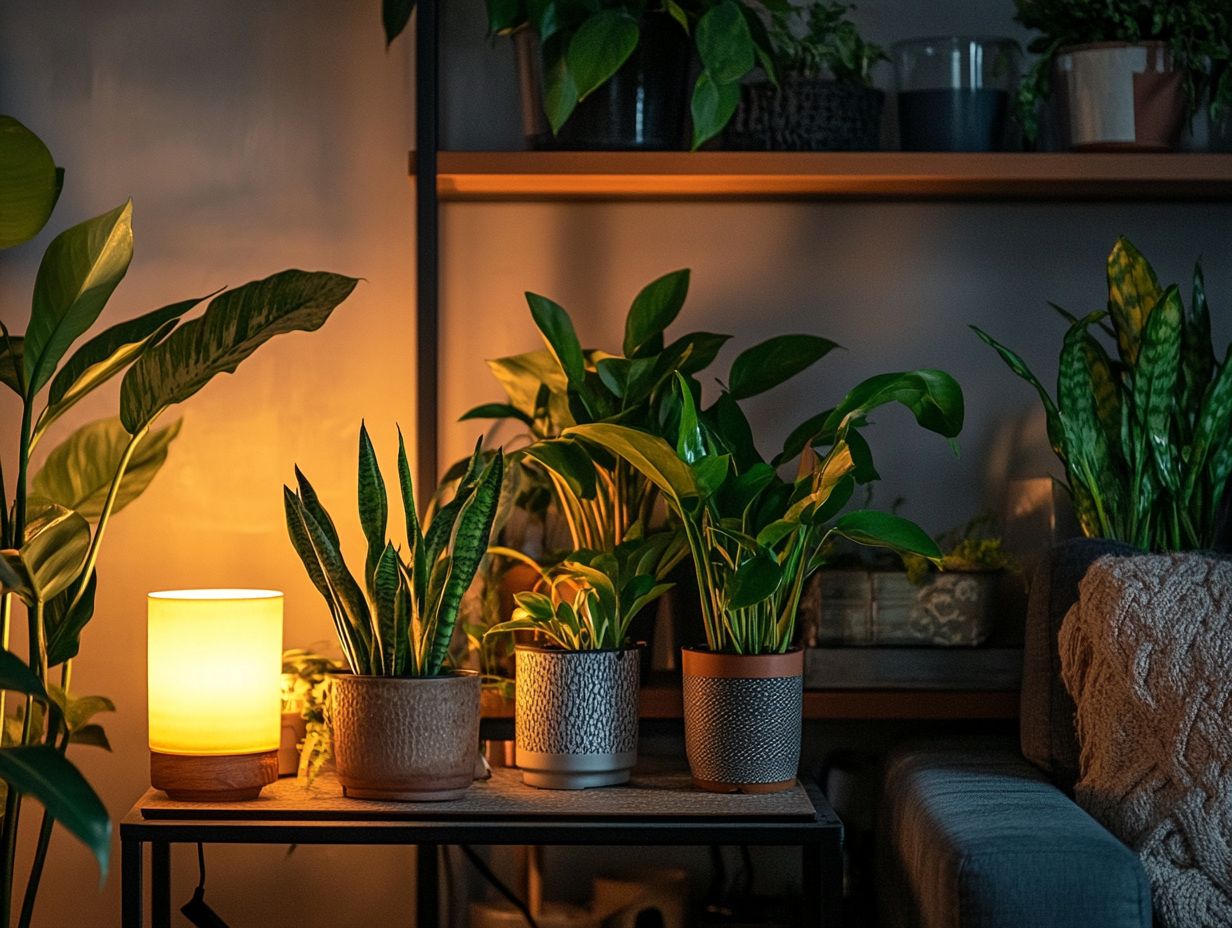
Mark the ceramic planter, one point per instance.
(294, 730)
(576, 716)
(405, 738)
(806, 114)
(1120, 97)
(742, 718)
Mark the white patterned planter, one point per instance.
(576, 716)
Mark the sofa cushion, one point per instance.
(1047, 711)
(1147, 655)
(971, 835)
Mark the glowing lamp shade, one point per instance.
(215, 670)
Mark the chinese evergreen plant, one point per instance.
(53, 525)
(1143, 430)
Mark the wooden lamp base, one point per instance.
(213, 777)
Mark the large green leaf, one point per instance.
(653, 310)
(1018, 366)
(1155, 380)
(29, 183)
(235, 324)
(880, 529)
(932, 396)
(560, 95)
(774, 361)
(1133, 291)
(557, 330)
(44, 773)
(65, 620)
(16, 676)
(12, 374)
(55, 547)
(724, 43)
(569, 461)
(754, 580)
(79, 271)
(523, 376)
(599, 47)
(712, 105)
(78, 472)
(651, 455)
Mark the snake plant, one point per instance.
(1143, 434)
(404, 623)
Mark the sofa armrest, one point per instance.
(971, 835)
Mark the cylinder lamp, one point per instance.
(215, 669)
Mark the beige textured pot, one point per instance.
(405, 738)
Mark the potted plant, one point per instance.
(1142, 431)
(755, 539)
(823, 99)
(616, 75)
(577, 690)
(305, 746)
(887, 600)
(52, 529)
(1128, 72)
(405, 727)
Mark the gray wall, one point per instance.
(260, 136)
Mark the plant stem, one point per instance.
(4, 513)
(18, 528)
(40, 852)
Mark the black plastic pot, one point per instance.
(806, 114)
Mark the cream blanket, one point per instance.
(1147, 655)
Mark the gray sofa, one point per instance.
(982, 832)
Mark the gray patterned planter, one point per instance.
(405, 738)
(576, 716)
(742, 718)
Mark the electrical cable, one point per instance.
(195, 909)
(510, 896)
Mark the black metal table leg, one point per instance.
(828, 871)
(130, 882)
(160, 884)
(427, 886)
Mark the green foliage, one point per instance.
(395, 14)
(754, 537)
(1143, 434)
(819, 39)
(1198, 33)
(305, 689)
(584, 43)
(29, 183)
(404, 623)
(588, 602)
(969, 548)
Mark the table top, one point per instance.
(498, 810)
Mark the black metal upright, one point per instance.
(427, 244)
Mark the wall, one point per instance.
(254, 137)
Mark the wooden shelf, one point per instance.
(664, 702)
(588, 175)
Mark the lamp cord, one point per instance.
(510, 896)
(195, 909)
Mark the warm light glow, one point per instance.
(215, 668)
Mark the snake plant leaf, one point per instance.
(1197, 351)
(403, 610)
(12, 373)
(297, 531)
(78, 472)
(1211, 434)
(440, 529)
(65, 619)
(312, 504)
(1155, 380)
(79, 271)
(1090, 453)
(569, 461)
(17, 677)
(470, 543)
(414, 533)
(653, 310)
(387, 581)
(774, 361)
(558, 333)
(234, 325)
(724, 43)
(373, 507)
(1133, 291)
(55, 547)
(1019, 367)
(649, 454)
(353, 607)
(599, 47)
(711, 106)
(496, 411)
(44, 773)
(883, 530)
(755, 580)
(29, 183)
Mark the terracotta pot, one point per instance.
(1115, 96)
(576, 716)
(742, 719)
(405, 738)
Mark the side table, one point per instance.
(654, 809)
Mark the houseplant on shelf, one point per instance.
(53, 528)
(577, 693)
(1128, 72)
(755, 539)
(823, 99)
(1142, 432)
(405, 727)
(306, 746)
(622, 68)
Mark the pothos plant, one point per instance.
(754, 537)
(1142, 430)
(399, 624)
(305, 688)
(819, 39)
(1198, 34)
(51, 532)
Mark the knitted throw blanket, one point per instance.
(1147, 655)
